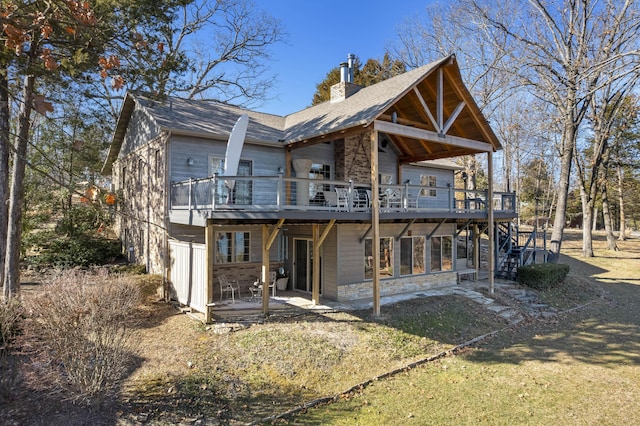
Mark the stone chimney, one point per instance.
(346, 87)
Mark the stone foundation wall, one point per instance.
(388, 287)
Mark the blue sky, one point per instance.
(321, 34)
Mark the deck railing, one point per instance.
(278, 193)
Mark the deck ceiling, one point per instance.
(467, 124)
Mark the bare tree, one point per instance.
(448, 28)
(210, 50)
(565, 52)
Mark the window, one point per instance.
(140, 174)
(442, 253)
(158, 164)
(385, 179)
(412, 256)
(242, 189)
(232, 247)
(430, 181)
(320, 172)
(386, 258)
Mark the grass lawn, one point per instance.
(582, 367)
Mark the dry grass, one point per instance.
(269, 368)
(582, 367)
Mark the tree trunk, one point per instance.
(12, 261)
(563, 192)
(594, 224)
(623, 225)
(608, 223)
(4, 167)
(587, 219)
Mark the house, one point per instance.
(355, 198)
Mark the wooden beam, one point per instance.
(440, 101)
(375, 223)
(315, 279)
(436, 228)
(492, 243)
(274, 233)
(410, 132)
(425, 107)
(326, 231)
(406, 228)
(318, 241)
(475, 112)
(209, 244)
(462, 228)
(366, 233)
(453, 117)
(265, 269)
(267, 242)
(435, 155)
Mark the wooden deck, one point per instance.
(270, 198)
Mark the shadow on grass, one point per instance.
(605, 332)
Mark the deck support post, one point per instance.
(375, 222)
(265, 269)
(209, 244)
(491, 261)
(318, 240)
(267, 242)
(315, 279)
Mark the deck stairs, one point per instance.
(515, 248)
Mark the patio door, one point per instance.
(303, 267)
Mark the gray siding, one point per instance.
(265, 160)
(322, 153)
(351, 251)
(444, 186)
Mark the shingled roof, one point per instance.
(215, 120)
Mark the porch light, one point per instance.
(190, 161)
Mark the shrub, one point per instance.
(83, 323)
(11, 321)
(49, 249)
(543, 275)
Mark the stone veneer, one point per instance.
(388, 287)
(341, 91)
(352, 158)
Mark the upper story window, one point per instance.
(242, 189)
(430, 181)
(319, 172)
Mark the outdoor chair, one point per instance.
(228, 286)
(256, 289)
(342, 199)
(393, 198)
